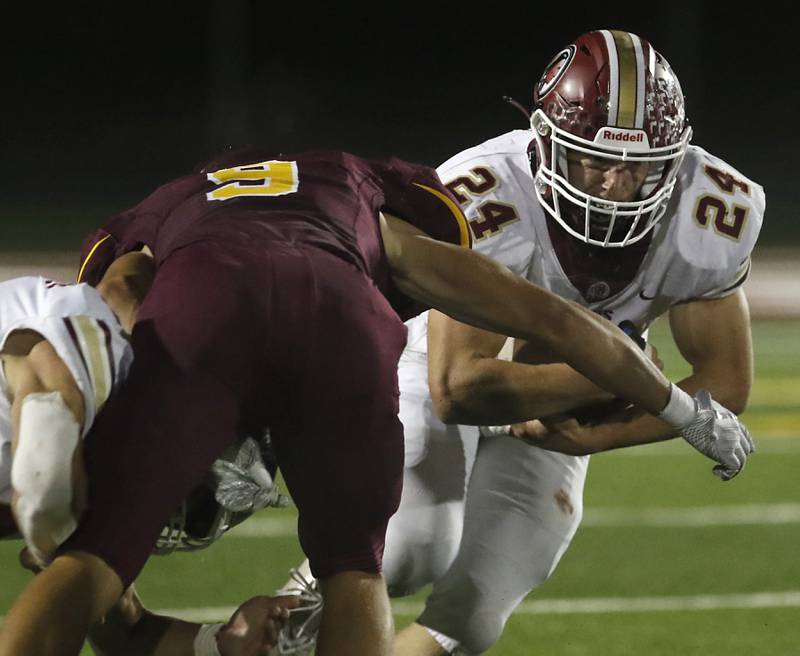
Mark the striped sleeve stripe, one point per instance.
(76, 342)
(465, 236)
(89, 257)
(109, 349)
(92, 339)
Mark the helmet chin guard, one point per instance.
(611, 98)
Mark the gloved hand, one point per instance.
(717, 433)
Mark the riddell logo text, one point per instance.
(623, 136)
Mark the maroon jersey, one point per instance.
(329, 200)
(272, 307)
(229, 340)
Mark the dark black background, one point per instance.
(102, 103)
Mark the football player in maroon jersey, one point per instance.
(281, 287)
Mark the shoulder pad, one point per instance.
(717, 212)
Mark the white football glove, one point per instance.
(717, 433)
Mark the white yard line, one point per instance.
(788, 599)
(589, 605)
(696, 517)
(700, 516)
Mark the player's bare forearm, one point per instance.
(53, 613)
(723, 366)
(477, 290)
(715, 338)
(131, 630)
(152, 635)
(469, 385)
(624, 428)
(565, 434)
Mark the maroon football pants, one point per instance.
(229, 341)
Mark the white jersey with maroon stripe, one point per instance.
(700, 248)
(84, 332)
(487, 519)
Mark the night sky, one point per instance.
(101, 105)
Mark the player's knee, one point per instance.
(417, 555)
(44, 525)
(471, 617)
(484, 630)
(472, 608)
(475, 634)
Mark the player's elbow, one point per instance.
(44, 521)
(731, 390)
(45, 469)
(735, 399)
(447, 402)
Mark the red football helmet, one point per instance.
(608, 99)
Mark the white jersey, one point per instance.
(487, 547)
(700, 248)
(84, 332)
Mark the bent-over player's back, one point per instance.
(325, 199)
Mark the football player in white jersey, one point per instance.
(64, 350)
(603, 201)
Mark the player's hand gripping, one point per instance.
(717, 433)
(253, 629)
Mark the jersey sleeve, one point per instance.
(415, 194)
(722, 213)
(99, 250)
(493, 185)
(125, 232)
(89, 340)
(98, 355)
(733, 282)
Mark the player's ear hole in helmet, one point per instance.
(610, 134)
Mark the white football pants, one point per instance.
(486, 525)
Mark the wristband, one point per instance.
(205, 642)
(681, 409)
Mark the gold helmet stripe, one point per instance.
(627, 77)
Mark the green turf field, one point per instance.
(669, 560)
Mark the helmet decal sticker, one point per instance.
(555, 70)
